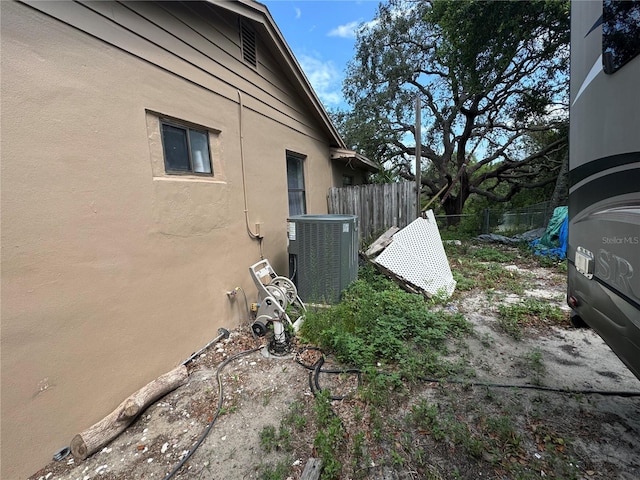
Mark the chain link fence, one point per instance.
(503, 222)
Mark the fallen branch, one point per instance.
(100, 434)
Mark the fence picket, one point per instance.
(378, 206)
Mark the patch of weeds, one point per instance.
(278, 471)
(471, 273)
(329, 438)
(443, 425)
(490, 293)
(272, 439)
(268, 438)
(375, 420)
(228, 410)
(441, 297)
(489, 394)
(377, 388)
(535, 364)
(275, 440)
(463, 283)
(503, 429)
(512, 282)
(396, 458)
(284, 439)
(296, 416)
(555, 452)
(484, 437)
(376, 321)
(488, 254)
(357, 414)
(546, 261)
(487, 340)
(486, 275)
(358, 450)
(509, 323)
(528, 312)
(454, 251)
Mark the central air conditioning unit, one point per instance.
(323, 255)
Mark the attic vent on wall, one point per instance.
(248, 41)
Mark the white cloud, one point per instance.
(371, 24)
(324, 77)
(347, 30)
(298, 12)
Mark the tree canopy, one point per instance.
(490, 75)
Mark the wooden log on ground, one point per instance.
(100, 434)
(312, 469)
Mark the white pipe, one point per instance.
(279, 333)
(244, 184)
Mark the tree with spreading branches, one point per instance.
(490, 76)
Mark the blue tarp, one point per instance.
(554, 241)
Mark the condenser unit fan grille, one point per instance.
(326, 255)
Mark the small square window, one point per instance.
(347, 180)
(186, 150)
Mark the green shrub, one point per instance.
(525, 313)
(377, 322)
(489, 254)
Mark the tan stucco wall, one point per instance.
(113, 274)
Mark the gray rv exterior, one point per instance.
(604, 196)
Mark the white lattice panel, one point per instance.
(417, 255)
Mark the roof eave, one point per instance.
(354, 159)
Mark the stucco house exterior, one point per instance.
(151, 152)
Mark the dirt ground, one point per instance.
(595, 434)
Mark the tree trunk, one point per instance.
(95, 437)
(561, 190)
(453, 205)
(450, 206)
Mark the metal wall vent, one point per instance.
(248, 42)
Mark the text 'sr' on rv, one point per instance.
(604, 163)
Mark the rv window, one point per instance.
(620, 33)
(186, 150)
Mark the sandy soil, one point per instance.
(259, 390)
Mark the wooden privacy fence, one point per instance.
(378, 206)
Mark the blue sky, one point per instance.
(321, 35)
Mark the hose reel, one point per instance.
(276, 294)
